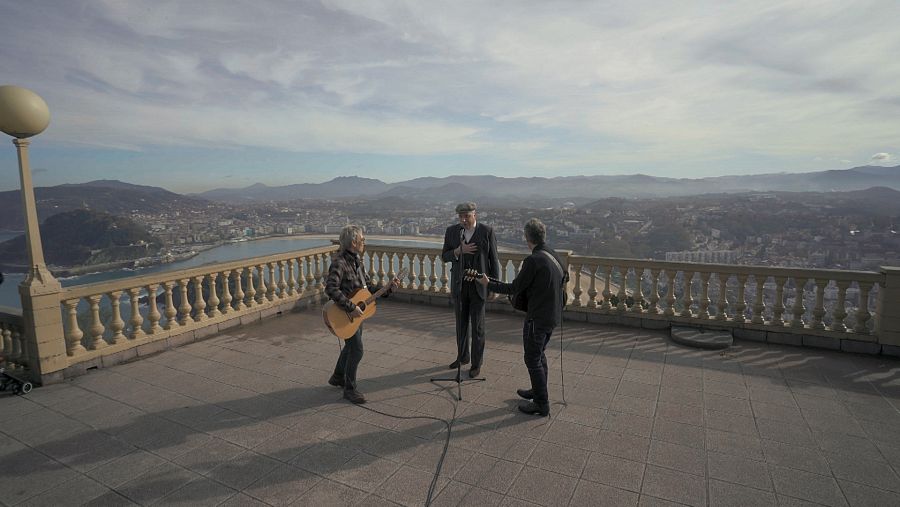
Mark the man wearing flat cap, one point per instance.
(469, 245)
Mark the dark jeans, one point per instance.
(470, 310)
(348, 361)
(534, 342)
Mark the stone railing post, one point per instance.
(887, 324)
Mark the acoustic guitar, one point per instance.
(339, 322)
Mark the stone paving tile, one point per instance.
(738, 470)
(26, 473)
(860, 494)
(200, 492)
(678, 433)
(112, 499)
(677, 457)
(613, 471)
(127, 467)
(77, 491)
(726, 494)
(674, 486)
(156, 483)
(792, 456)
(573, 435)
(619, 422)
(242, 470)
(877, 474)
(282, 485)
(685, 414)
(365, 472)
(806, 486)
(543, 487)
(558, 458)
(409, 487)
(589, 494)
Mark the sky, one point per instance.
(196, 95)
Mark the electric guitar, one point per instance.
(339, 321)
(518, 301)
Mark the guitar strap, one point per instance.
(550, 256)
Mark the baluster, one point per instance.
(170, 310)
(758, 306)
(576, 292)
(261, 292)
(153, 314)
(862, 312)
(406, 283)
(238, 290)
(213, 297)
(184, 309)
(372, 273)
(73, 332)
(592, 288)
(654, 292)
(411, 277)
(421, 272)
(390, 264)
(798, 309)
(321, 272)
(606, 306)
(638, 306)
(382, 274)
(623, 290)
(703, 302)
(199, 300)
(722, 304)
(818, 312)
(290, 277)
(778, 309)
(137, 321)
(226, 292)
(310, 279)
(840, 313)
(282, 282)
(270, 271)
(669, 310)
(97, 327)
(445, 281)
(16, 355)
(687, 297)
(6, 337)
(116, 324)
(740, 304)
(251, 291)
(433, 278)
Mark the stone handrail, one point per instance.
(199, 300)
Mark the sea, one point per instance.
(9, 295)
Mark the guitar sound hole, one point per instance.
(362, 306)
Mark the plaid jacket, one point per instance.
(346, 275)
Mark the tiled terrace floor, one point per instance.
(246, 418)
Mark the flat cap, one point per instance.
(465, 207)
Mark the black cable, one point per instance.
(448, 424)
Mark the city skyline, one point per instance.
(202, 95)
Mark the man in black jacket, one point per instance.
(542, 279)
(469, 245)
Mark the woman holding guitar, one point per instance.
(346, 276)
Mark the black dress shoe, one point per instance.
(528, 394)
(474, 372)
(530, 407)
(455, 364)
(336, 380)
(354, 396)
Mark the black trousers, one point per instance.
(534, 343)
(348, 361)
(470, 311)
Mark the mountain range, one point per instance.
(119, 198)
(574, 188)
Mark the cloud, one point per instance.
(882, 158)
(568, 84)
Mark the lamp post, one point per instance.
(24, 114)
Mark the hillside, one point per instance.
(84, 237)
(110, 196)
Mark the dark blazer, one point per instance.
(543, 283)
(486, 258)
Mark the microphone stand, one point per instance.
(461, 331)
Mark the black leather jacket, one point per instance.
(542, 282)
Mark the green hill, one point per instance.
(84, 237)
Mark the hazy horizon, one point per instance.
(192, 96)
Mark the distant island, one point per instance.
(85, 238)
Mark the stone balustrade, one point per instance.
(13, 351)
(106, 323)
